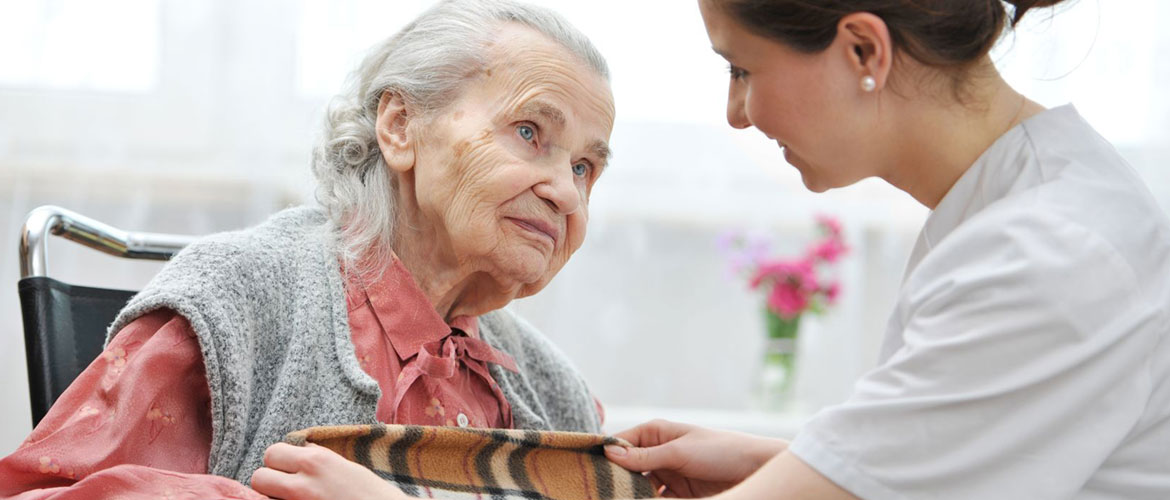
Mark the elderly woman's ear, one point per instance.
(394, 135)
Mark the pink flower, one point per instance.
(833, 292)
(777, 271)
(787, 300)
(830, 224)
(792, 284)
(829, 250)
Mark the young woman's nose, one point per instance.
(736, 116)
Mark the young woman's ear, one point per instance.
(394, 133)
(870, 50)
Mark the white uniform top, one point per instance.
(1027, 357)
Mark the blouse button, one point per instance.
(461, 420)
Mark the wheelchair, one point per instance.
(65, 325)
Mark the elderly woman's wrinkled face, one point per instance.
(505, 172)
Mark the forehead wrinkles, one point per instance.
(524, 83)
(525, 63)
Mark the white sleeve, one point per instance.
(1025, 363)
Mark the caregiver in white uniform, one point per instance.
(1027, 356)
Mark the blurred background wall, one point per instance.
(198, 116)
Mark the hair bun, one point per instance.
(1023, 6)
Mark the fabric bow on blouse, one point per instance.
(431, 371)
(441, 360)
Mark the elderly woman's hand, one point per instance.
(313, 472)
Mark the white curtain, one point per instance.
(195, 117)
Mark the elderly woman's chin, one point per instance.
(528, 268)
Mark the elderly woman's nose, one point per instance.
(736, 116)
(560, 192)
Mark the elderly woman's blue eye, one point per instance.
(580, 169)
(526, 132)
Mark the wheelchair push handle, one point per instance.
(48, 219)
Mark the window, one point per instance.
(80, 44)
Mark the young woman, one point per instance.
(1027, 354)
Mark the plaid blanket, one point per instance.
(483, 464)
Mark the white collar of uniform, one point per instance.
(992, 176)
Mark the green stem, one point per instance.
(780, 328)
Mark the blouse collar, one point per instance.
(408, 318)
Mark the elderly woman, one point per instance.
(454, 177)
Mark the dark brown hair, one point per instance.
(942, 33)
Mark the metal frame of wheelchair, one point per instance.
(64, 325)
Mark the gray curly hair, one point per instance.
(427, 63)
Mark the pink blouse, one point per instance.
(137, 422)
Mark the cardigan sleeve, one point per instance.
(134, 424)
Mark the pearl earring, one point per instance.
(868, 83)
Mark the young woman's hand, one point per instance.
(314, 472)
(692, 462)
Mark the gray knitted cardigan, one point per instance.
(268, 307)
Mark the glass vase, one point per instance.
(778, 370)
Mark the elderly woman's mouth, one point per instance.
(538, 227)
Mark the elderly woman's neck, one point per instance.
(453, 288)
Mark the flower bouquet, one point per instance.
(791, 286)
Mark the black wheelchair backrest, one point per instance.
(64, 330)
(65, 325)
